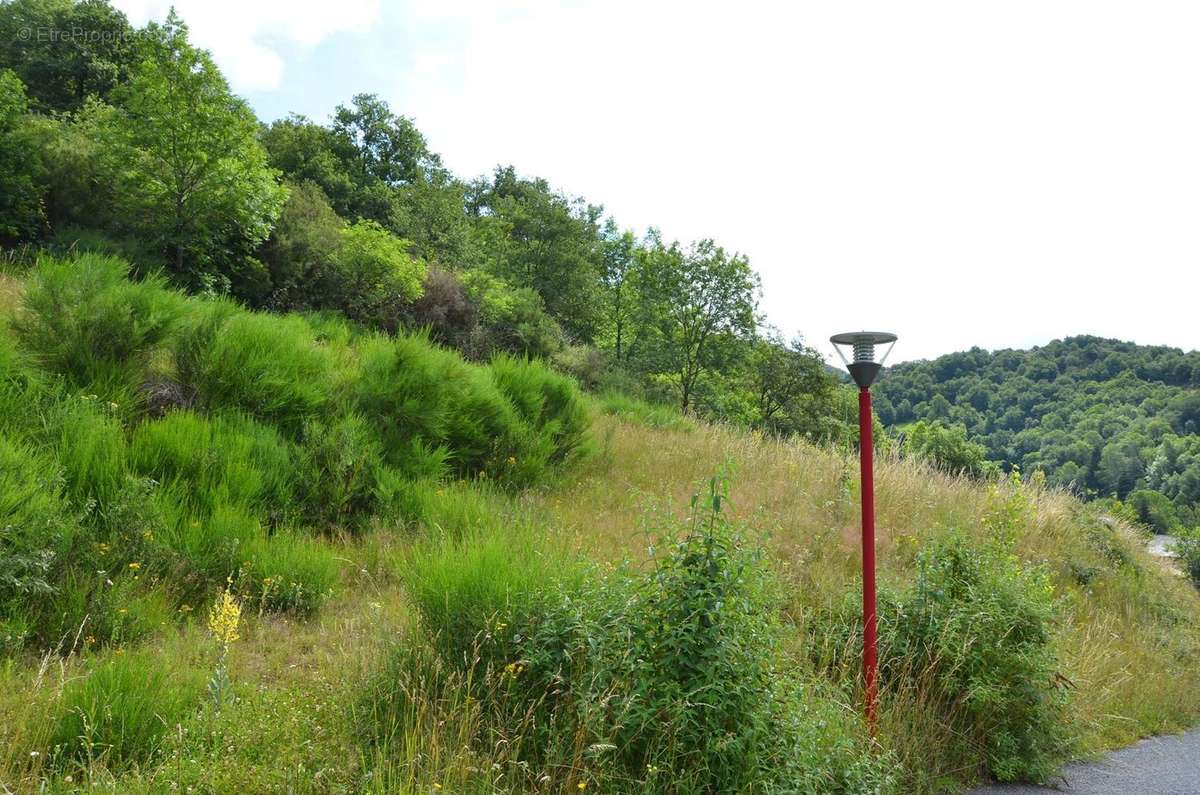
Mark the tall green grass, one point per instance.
(37, 531)
(218, 461)
(84, 318)
(119, 712)
(268, 366)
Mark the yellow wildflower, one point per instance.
(581, 786)
(135, 565)
(224, 618)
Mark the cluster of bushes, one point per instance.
(667, 678)
(947, 448)
(970, 641)
(153, 446)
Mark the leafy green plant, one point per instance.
(982, 620)
(971, 640)
(1187, 547)
(947, 448)
(658, 680)
(375, 276)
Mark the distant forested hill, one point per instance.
(1101, 416)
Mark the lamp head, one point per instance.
(863, 369)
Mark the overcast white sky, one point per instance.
(961, 173)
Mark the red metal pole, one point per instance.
(870, 660)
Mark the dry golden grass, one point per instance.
(1130, 642)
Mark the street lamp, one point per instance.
(864, 369)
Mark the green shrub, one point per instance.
(508, 422)
(77, 531)
(204, 548)
(426, 401)
(1154, 510)
(1187, 547)
(375, 277)
(446, 311)
(550, 404)
(299, 253)
(983, 621)
(947, 448)
(279, 571)
(668, 676)
(462, 586)
(512, 319)
(22, 183)
(820, 746)
(93, 452)
(338, 472)
(588, 365)
(268, 366)
(698, 671)
(85, 319)
(216, 461)
(120, 711)
(973, 639)
(102, 606)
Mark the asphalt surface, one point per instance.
(1167, 765)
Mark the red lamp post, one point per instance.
(864, 369)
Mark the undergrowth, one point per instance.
(441, 589)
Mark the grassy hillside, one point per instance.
(445, 581)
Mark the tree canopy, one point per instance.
(1100, 416)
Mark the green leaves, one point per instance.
(21, 211)
(182, 157)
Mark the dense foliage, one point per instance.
(134, 145)
(149, 438)
(672, 677)
(274, 360)
(1102, 417)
